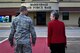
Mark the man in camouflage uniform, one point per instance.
(21, 29)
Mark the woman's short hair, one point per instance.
(55, 13)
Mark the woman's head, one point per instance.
(54, 15)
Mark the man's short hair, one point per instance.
(22, 8)
(55, 13)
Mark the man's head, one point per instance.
(54, 15)
(23, 10)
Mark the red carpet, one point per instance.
(40, 47)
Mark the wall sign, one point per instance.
(41, 6)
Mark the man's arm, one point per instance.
(11, 36)
(33, 33)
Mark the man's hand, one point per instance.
(11, 42)
(33, 43)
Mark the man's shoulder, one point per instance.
(28, 18)
(16, 18)
(24, 17)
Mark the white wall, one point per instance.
(73, 19)
(7, 5)
(69, 4)
(10, 0)
(47, 17)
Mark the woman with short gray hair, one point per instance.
(56, 34)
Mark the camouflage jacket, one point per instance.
(21, 28)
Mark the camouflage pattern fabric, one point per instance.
(22, 28)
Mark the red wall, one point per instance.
(8, 11)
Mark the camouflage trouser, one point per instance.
(23, 48)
